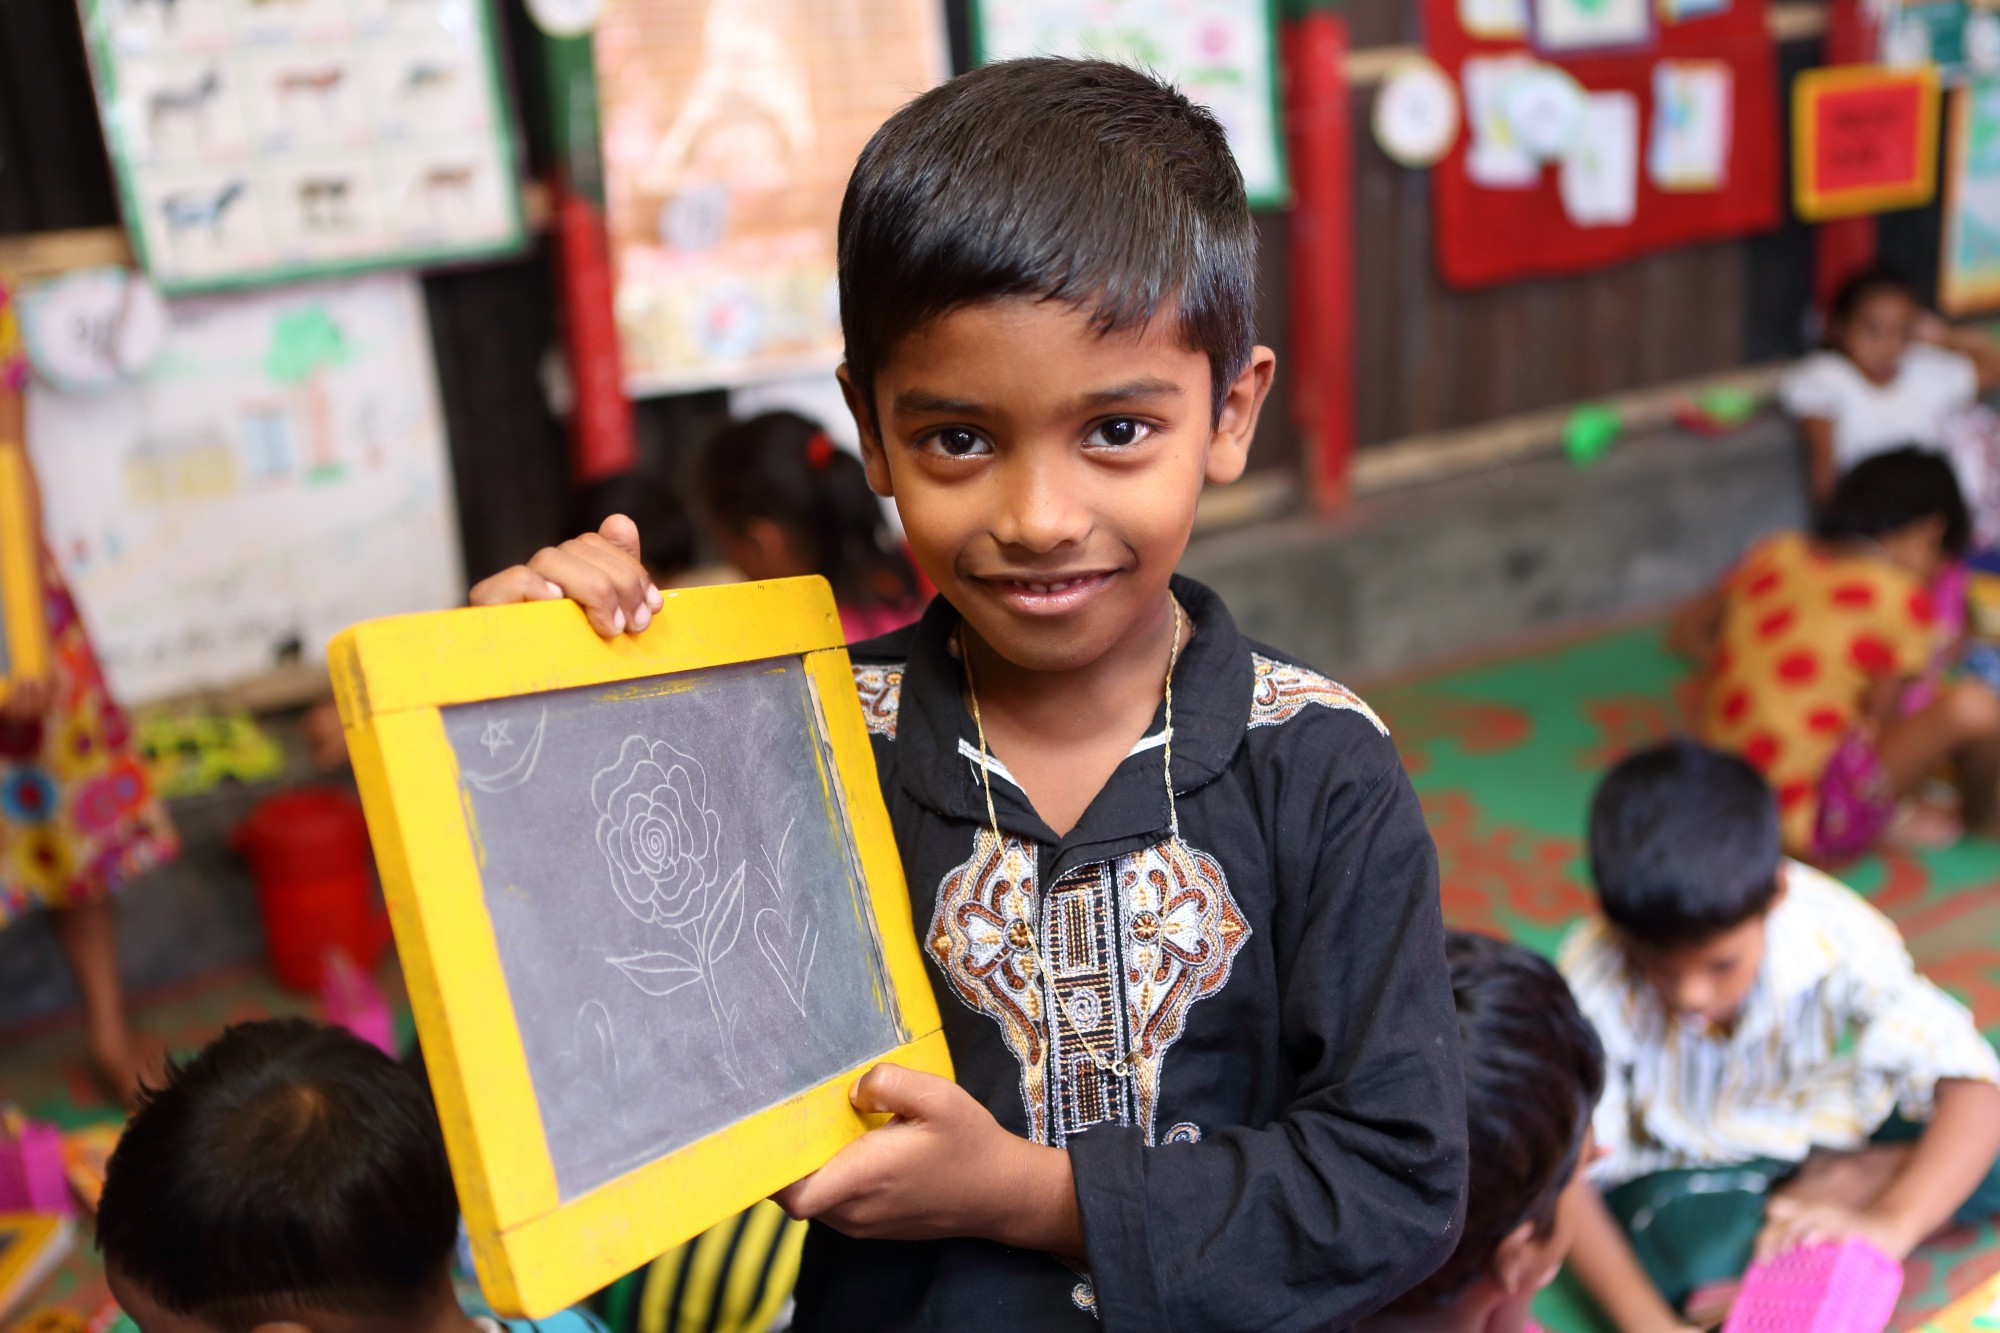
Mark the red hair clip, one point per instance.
(819, 451)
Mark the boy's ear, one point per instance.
(873, 460)
(1236, 424)
(1521, 1263)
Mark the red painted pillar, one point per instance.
(1318, 134)
(1845, 246)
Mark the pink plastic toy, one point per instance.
(31, 1169)
(349, 999)
(1846, 1288)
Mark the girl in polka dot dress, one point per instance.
(1811, 647)
(77, 817)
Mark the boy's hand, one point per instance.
(942, 1167)
(1791, 1224)
(600, 571)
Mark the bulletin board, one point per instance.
(729, 130)
(304, 424)
(1647, 77)
(257, 142)
(1969, 254)
(1221, 53)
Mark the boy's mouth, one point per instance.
(1049, 596)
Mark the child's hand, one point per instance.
(1931, 328)
(600, 571)
(1791, 1224)
(942, 1167)
(28, 699)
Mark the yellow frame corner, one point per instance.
(21, 601)
(1815, 204)
(535, 1253)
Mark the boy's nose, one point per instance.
(1042, 508)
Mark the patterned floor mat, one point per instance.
(1504, 758)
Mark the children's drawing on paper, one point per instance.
(1689, 146)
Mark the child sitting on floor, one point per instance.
(1890, 374)
(290, 1179)
(1810, 646)
(1533, 1072)
(1779, 1073)
(782, 499)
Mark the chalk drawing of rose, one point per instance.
(663, 846)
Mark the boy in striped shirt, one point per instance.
(1777, 1071)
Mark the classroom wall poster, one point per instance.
(255, 142)
(729, 131)
(1864, 140)
(1679, 144)
(303, 425)
(1969, 257)
(1221, 53)
(1961, 39)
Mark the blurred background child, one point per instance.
(781, 499)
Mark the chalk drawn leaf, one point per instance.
(792, 963)
(725, 920)
(657, 973)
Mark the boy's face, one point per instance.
(1046, 474)
(1878, 333)
(1710, 980)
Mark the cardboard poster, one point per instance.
(1864, 140)
(1969, 255)
(729, 131)
(1221, 53)
(257, 142)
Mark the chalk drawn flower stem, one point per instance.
(662, 845)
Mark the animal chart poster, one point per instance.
(279, 474)
(1221, 53)
(729, 130)
(265, 140)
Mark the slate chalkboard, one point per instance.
(680, 914)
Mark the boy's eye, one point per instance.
(956, 442)
(1120, 433)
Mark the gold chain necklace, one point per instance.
(1122, 1066)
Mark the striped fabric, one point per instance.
(736, 1277)
(1839, 1031)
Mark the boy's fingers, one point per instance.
(622, 533)
(894, 1090)
(586, 581)
(634, 590)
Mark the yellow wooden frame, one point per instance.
(21, 600)
(535, 1253)
(1815, 203)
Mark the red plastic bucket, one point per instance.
(308, 850)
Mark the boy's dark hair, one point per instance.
(1533, 1073)
(289, 1167)
(1873, 281)
(1888, 492)
(782, 467)
(1080, 181)
(1683, 845)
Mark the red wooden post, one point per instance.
(1318, 133)
(1844, 246)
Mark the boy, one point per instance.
(1772, 1051)
(1533, 1072)
(291, 1179)
(1176, 893)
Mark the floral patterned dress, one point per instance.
(78, 819)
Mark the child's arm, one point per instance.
(1975, 345)
(1696, 630)
(1953, 1155)
(1821, 471)
(1603, 1262)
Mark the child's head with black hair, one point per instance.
(1533, 1072)
(290, 1174)
(1907, 504)
(1873, 320)
(1685, 851)
(782, 499)
(1047, 283)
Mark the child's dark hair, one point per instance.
(1855, 291)
(782, 467)
(1888, 492)
(1079, 181)
(289, 1167)
(1683, 844)
(1533, 1074)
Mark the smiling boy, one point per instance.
(1176, 894)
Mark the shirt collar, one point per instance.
(1213, 684)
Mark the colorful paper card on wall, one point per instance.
(258, 142)
(1969, 254)
(1692, 118)
(730, 128)
(1565, 26)
(1864, 140)
(1962, 40)
(649, 906)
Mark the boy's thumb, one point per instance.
(622, 533)
(890, 1090)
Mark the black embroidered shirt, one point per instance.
(1287, 1149)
